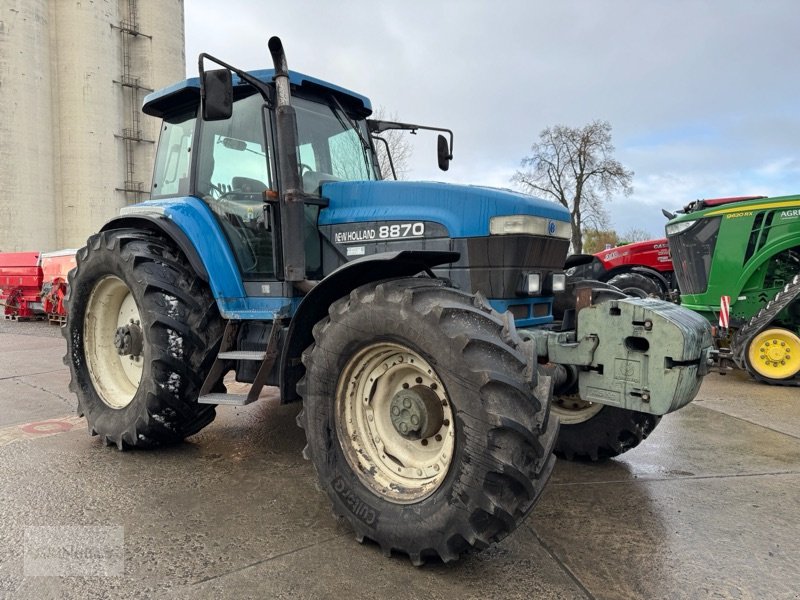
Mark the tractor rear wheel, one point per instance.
(638, 285)
(141, 334)
(421, 418)
(593, 432)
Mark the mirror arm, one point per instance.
(388, 154)
(262, 87)
(376, 126)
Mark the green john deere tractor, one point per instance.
(746, 249)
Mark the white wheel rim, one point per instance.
(378, 381)
(571, 410)
(115, 377)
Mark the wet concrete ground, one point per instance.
(706, 508)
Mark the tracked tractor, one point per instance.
(737, 261)
(412, 320)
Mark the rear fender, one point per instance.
(314, 307)
(158, 224)
(190, 223)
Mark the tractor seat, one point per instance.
(312, 180)
(247, 185)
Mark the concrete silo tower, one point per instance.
(75, 146)
(27, 154)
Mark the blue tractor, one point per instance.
(413, 320)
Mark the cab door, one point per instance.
(234, 169)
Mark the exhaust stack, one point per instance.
(291, 200)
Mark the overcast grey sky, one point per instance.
(702, 95)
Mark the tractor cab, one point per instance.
(231, 164)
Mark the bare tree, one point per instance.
(399, 147)
(575, 166)
(634, 234)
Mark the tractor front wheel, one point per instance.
(594, 432)
(141, 333)
(421, 418)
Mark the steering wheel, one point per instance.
(217, 191)
(304, 168)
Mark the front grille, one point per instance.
(692, 251)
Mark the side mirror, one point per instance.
(443, 152)
(216, 95)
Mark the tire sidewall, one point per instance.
(373, 516)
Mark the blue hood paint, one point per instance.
(464, 210)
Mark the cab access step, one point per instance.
(226, 358)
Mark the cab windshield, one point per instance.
(329, 147)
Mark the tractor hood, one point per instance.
(464, 210)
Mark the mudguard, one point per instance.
(314, 307)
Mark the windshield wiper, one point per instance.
(353, 124)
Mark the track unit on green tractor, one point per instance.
(414, 321)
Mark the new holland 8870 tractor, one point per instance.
(413, 320)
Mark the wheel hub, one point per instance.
(777, 352)
(114, 343)
(395, 422)
(128, 340)
(416, 413)
(572, 409)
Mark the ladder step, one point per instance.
(226, 399)
(243, 355)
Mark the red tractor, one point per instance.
(640, 269)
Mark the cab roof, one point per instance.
(185, 94)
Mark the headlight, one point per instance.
(559, 282)
(534, 283)
(673, 228)
(516, 224)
